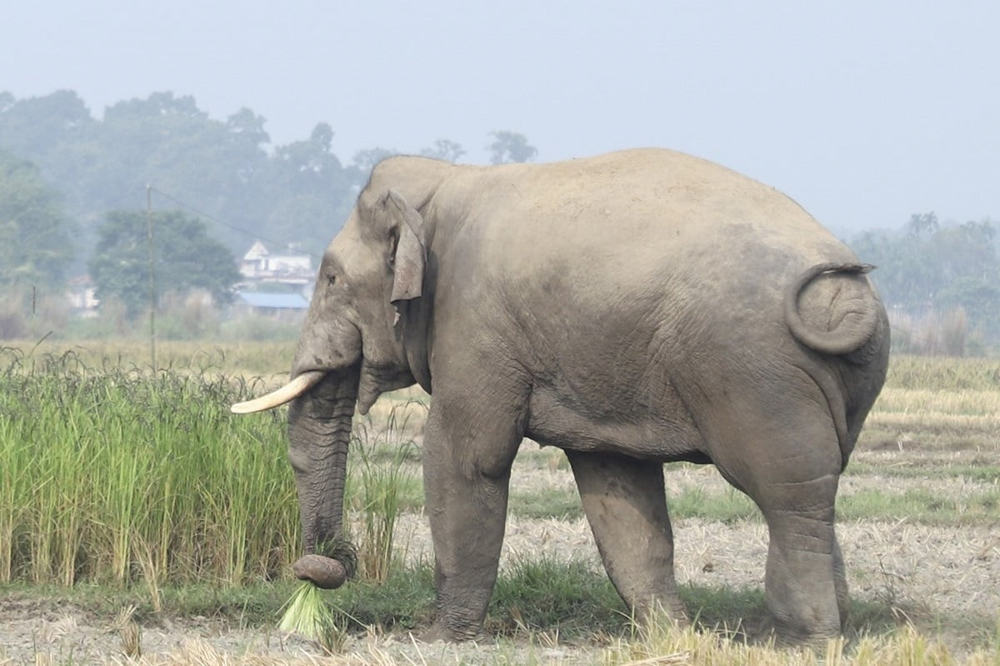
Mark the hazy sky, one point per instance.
(864, 112)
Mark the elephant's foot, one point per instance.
(440, 632)
(324, 572)
(782, 635)
(657, 614)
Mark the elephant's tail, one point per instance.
(843, 319)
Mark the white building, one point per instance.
(289, 267)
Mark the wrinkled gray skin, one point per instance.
(631, 309)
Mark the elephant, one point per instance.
(632, 309)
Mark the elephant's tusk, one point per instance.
(280, 396)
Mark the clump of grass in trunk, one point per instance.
(308, 615)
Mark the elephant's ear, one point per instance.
(408, 257)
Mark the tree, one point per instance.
(301, 192)
(35, 245)
(365, 160)
(928, 267)
(921, 224)
(225, 169)
(312, 156)
(35, 127)
(510, 147)
(54, 133)
(970, 271)
(185, 258)
(444, 149)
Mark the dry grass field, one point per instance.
(919, 514)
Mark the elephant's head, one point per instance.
(352, 346)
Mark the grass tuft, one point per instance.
(308, 615)
(569, 598)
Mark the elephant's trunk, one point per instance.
(319, 430)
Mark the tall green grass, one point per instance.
(232, 357)
(381, 486)
(114, 474)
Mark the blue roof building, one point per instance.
(274, 301)
(284, 307)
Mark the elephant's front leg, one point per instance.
(467, 460)
(625, 503)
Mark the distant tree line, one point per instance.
(72, 189)
(941, 282)
(35, 232)
(64, 173)
(226, 169)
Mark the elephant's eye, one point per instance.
(331, 279)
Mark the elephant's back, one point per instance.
(639, 197)
(643, 216)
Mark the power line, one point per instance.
(231, 227)
(91, 213)
(191, 209)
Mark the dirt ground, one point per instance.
(923, 573)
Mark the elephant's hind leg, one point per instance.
(626, 506)
(805, 583)
(789, 463)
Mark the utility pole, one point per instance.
(152, 276)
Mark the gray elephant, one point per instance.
(632, 309)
